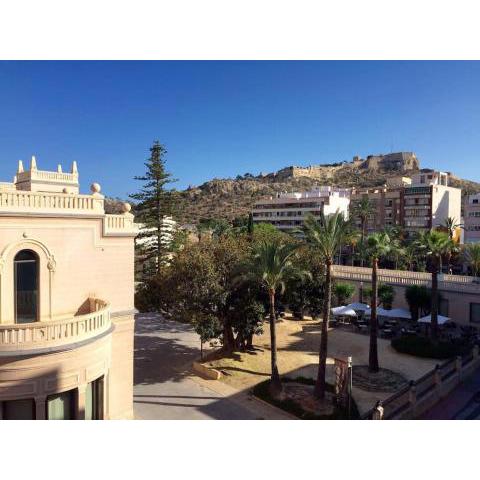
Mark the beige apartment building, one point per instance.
(387, 204)
(472, 218)
(66, 300)
(288, 211)
(420, 203)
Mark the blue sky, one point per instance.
(220, 119)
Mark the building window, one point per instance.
(23, 409)
(94, 400)
(61, 406)
(26, 286)
(475, 312)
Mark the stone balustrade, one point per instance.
(413, 400)
(43, 202)
(48, 176)
(460, 283)
(15, 338)
(119, 224)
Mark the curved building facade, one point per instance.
(66, 300)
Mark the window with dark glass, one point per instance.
(23, 409)
(26, 286)
(94, 400)
(475, 312)
(61, 406)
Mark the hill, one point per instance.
(230, 198)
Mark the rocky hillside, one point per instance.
(230, 198)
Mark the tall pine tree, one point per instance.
(155, 203)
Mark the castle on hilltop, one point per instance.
(397, 162)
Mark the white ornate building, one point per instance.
(66, 300)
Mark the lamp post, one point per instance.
(360, 292)
(350, 385)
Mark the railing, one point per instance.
(399, 277)
(414, 399)
(117, 224)
(26, 201)
(38, 335)
(49, 176)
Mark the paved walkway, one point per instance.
(165, 388)
(463, 403)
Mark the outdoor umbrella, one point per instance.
(428, 319)
(400, 313)
(343, 312)
(359, 306)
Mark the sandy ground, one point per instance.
(298, 343)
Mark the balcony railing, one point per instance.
(460, 283)
(119, 224)
(39, 335)
(30, 202)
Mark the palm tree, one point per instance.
(272, 264)
(326, 236)
(451, 225)
(472, 255)
(435, 244)
(363, 210)
(378, 246)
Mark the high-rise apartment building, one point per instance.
(472, 218)
(420, 203)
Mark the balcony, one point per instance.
(24, 337)
(18, 201)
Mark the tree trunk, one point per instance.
(250, 341)
(373, 354)
(434, 308)
(364, 227)
(319, 391)
(275, 383)
(228, 337)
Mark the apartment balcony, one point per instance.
(57, 334)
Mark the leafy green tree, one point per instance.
(199, 283)
(472, 255)
(418, 298)
(272, 265)
(207, 327)
(326, 236)
(343, 292)
(155, 202)
(247, 315)
(435, 244)
(378, 246)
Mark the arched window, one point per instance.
(26, 271)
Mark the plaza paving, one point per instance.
(165, 388)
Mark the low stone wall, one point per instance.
(415, 399)
(206, 372)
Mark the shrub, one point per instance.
(343, 292)
(386, 295)
(426, 348)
